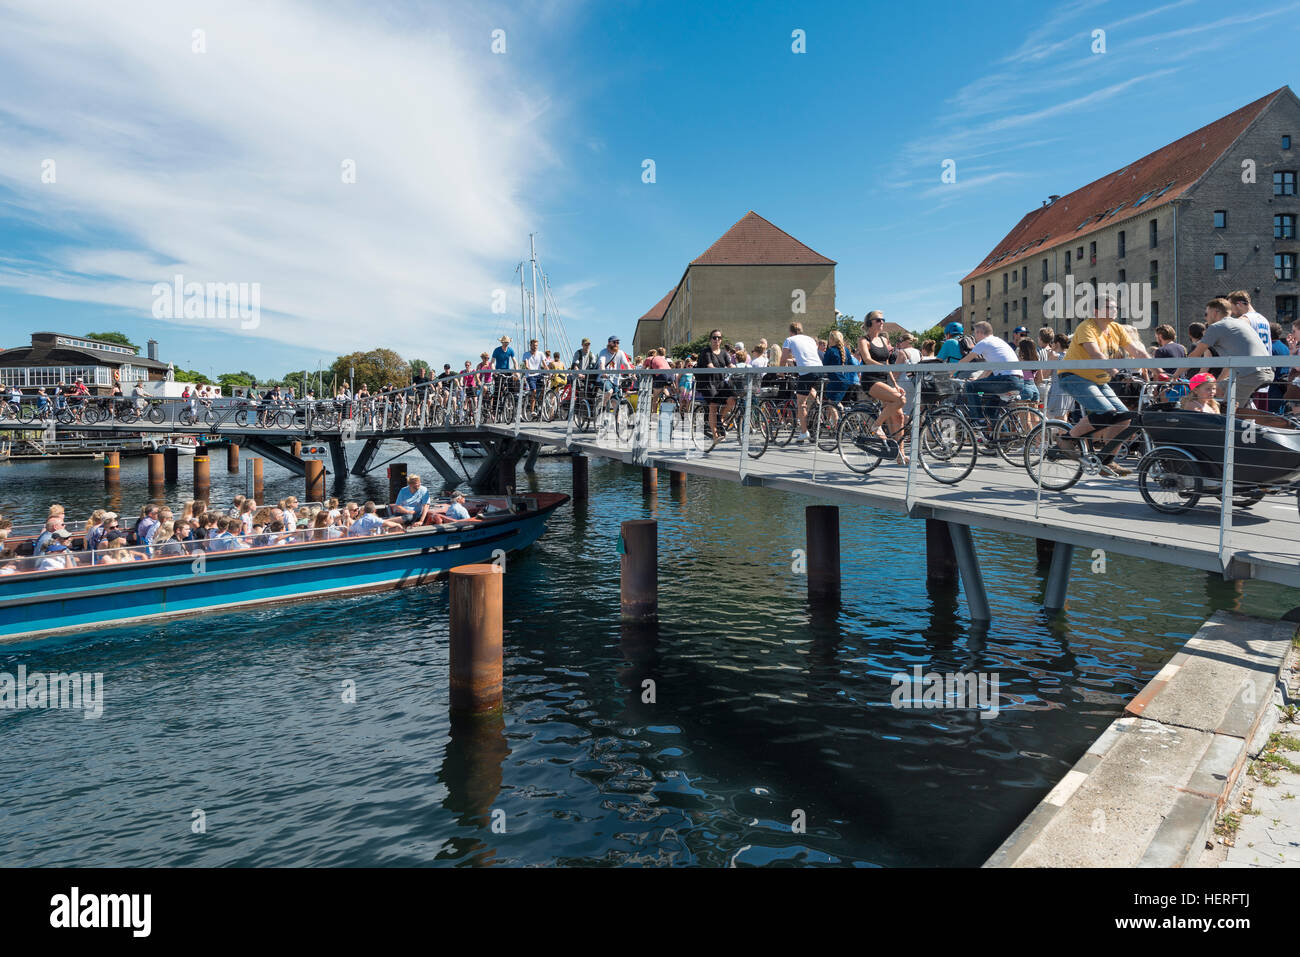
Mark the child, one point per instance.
(1201, 398)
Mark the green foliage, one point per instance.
(849, 327)
(692, 348)
(117, 338)
(419, 365)
(376, 368)
(934, 333)
(229, 380)
(192, 375)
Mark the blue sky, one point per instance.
(224, 164)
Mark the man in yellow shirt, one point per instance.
(1098, 338)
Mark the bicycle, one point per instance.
(153, 411)
(758, 427)
(948, 447)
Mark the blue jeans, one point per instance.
(1091, 396)
(977, 391)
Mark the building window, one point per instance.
(1284, 226)
(1024, 308)
(1006, 315)
(1285, 309)
(1015, 306)
(988, 288)
(1220, 261)
(1284, 183)
(1067, 262)
(1121, 244)
(1155, 274)
(1092, 253)
(1284, 267)
(1155, 313)
(1220, 219)
(1155, 235)
(972, 294)
(1015, 277)
(1004, 283)
(1123, 276)
(1024, 276)
(1286, 141)
(1080, 256)
(1044, 270)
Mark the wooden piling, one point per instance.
(112, 468)
(579, 477)
(396, 481)
(639, 569)
(171, 464)
(822, 537)
(649, 481)
(676, 479)
(232, 457)
(940, 556)
(476, 643)
(201, 477)
(296, 449)
(257, 479)
(315, 474)
(156, 470)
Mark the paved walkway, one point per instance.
(1269, 834)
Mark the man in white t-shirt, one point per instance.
(989, 348)
(533, 363)
(1242, 309)
(800, 350)
(612, 357)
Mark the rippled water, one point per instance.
(764, 706)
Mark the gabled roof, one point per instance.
(1141, 186)
(658, 310)
(753, 241)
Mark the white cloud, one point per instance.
(226, 165)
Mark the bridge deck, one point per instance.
(1098, 512)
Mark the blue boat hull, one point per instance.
(38, 604)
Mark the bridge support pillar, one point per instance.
(1058, 577)
(940, 557)
(638, 569)
(822, 523)
(530, 463)
(450, 477)
(579, 477)
(396, 480)
(232, 457)
(365, 457)
(972, 581)
(171, 464)
(1044, 547)
(676, 479)
(505, 479)
(275, 453)
(649, 481)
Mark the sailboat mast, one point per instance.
(523, 306)
(532, 249)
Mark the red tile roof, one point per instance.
(659, 308)
(1144, 185)
(755, 242)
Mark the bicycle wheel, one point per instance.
(156, 414)
(26, 413)
(1047, 463)
(583, 418)
(284, 419)
(550, 407)
(758, 429)
(1012, 428)
(827, 428)
(860, 448)
(948, 447)
(1170, 480)
(127, 415)
(784, 422)
(624, 420)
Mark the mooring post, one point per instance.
(232, 457)
(649, 481)
(296, 449)
(638, 568)
(201, 478)
(155, 469)
(579, 477)
(822, 524)
(475, 645)
(1058, 577)
(676, 479)
(257, 479)
(396, 480)
(315, 480)
(112, 468)
(972, 582)
(940, 558)
(171, 464)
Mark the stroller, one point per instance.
(1186, 460)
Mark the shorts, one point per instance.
(1091, 396)
(807, 382)
(1249, 381)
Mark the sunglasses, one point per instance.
(715, 337)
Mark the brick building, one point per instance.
(1209, 213)
(750, 284)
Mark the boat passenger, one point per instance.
(368, 524)
(57, 555)
(457, 510)
(412, 502)
(165, 543)
(52, 525)
(182, 533)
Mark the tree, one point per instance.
(192, 375)
(849, 328)
(117, 338)
(230, 380)
(376, 368)
(419, 365)
(692, 348)
(934, 332)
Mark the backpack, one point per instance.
(965, 344)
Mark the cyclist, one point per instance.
(989, 348)
(1103, 412)
(880, 384)
(715, 390)
(801, 350)
(612, 357)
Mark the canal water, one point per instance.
(753, 729)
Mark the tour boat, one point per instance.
(34, 604)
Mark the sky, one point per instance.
(367, 174)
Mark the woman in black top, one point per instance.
(874, 351)
(715, 390)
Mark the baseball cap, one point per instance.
(110, 516)
(1020, 329)
(612, 339)
(61, 533)
(953, 329)
(1201, 378)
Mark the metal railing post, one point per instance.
(478, 402)
(1229, 456)
(913, 460)
(573, 403)
(519, 406)
(743, 466)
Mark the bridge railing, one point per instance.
(1002, 435)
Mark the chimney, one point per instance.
(153, 349)
(1053, 198)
